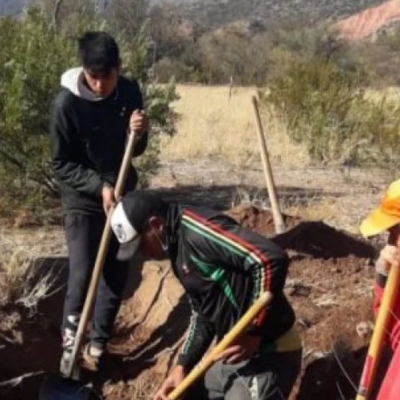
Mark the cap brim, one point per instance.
(128, 250)
(378, 222)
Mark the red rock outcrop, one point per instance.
(368, 22)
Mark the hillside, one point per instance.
(370, 21)
(215, 13)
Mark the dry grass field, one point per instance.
(212, 123)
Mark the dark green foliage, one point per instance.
(32, 59)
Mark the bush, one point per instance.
(32, 60)
(326, 108)
(381, 57)
(158, 109)
(167, 67)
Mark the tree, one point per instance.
(33, 58)
(126, 17)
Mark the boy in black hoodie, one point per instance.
(89, 124)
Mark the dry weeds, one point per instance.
(389, 93)
(22, 280)
(213, 124)
(306, 207)
(314, 208)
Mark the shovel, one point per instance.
(269, 178)
(378, 336)
(56, 387)
(226, 342)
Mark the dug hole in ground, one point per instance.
(329, 284)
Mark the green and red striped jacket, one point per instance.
(224, 268)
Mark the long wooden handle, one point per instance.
(276, 211)
(227, 341)
(101, 255)
(377, 341)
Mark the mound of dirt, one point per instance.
(258, 220)
(309, 237)
(329, 285)
(322, 241)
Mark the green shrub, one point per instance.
(167, 67)
(325, 108)
(162, 120)
(32, 59)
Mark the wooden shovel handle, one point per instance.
(101, 255)
(378, 337)
(226, 342)
(269, 179)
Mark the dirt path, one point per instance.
(339, 196)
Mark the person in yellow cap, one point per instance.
(387, 218)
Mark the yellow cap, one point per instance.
(386, 215)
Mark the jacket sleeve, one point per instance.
(67, 170)
(141, 144)
(380, 283)
(378, 294)
(198, 338)
(379, 287)
(224, 242)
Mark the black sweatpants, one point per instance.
(83, 233)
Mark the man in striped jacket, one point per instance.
(223, 268)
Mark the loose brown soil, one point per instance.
(329, 285)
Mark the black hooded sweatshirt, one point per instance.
(88, 138)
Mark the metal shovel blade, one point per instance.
(56, 387)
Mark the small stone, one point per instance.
(291, 291)
(305, 323)
(364, 329)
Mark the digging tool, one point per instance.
(226, 342)
(65, 388)
(377, 341)
(276, 212)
